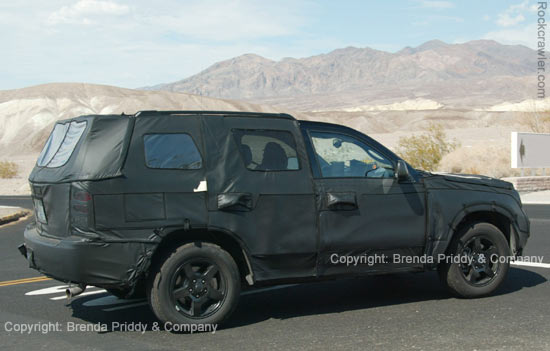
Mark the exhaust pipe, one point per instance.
(73, 291)
(23, 249)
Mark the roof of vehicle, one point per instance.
(153, 113)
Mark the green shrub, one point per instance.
(425, 151)
(8, 169)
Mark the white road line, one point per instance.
(48, 291)
(8, 207)
(137, 304)
(532, 264)
(83, 294)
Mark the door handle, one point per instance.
(342, 201)
(235, 201)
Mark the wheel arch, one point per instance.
(492, 213)
(228, 241)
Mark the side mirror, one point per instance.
(402, 172)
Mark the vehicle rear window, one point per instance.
(61, 144)
(171, 151)
(267, 150)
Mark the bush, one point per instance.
(8, 169)
(426, 151)
(537, 122)
(485, 158)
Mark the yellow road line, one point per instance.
(24, 281)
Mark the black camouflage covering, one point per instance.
(277, 224)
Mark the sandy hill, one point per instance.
(27, 115)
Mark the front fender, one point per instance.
(445, 217)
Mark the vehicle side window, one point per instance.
(61, 144)
(171, 151)
(267, 150)
(340, 155)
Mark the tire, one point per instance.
(479, 277)
(198, 283)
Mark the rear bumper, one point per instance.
(79, 260)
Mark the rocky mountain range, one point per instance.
(479, 91)
(478, 73)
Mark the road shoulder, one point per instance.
(536, 198)
(10, 214)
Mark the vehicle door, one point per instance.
(367, 218)
(261, 191)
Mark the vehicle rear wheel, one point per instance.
(197, 284)
(474, 265)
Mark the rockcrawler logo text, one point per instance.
(541, 52)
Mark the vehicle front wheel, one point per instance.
(474, 265)
(197, 284)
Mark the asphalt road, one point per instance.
(406, 311)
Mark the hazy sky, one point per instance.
(137, 43)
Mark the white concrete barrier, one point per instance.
(528, 184)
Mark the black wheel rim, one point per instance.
(479, 262)
(198, 288)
